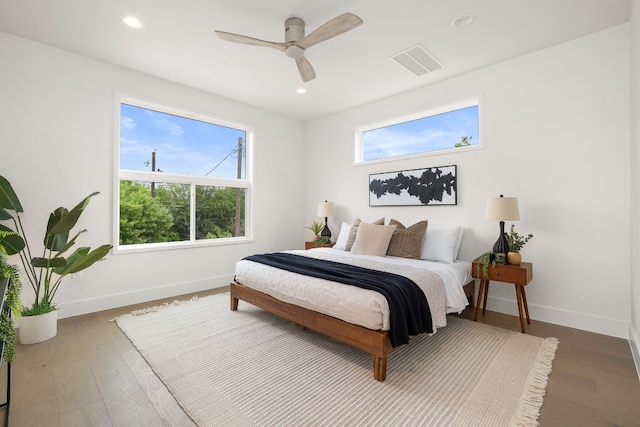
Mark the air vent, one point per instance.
(417, 60)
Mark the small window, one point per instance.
(450, 127)
(182, 178)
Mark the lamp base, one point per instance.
(325, 230)
(500, 248)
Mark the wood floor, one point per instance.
(91, 375)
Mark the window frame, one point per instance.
(474, 100)
(191, 180)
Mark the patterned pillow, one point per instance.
(353, 232)
(407, 242)
(373, 239)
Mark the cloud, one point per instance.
(127, 123)
(387, 142)
(162, 122)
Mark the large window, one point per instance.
(182, 178)
(449, 127)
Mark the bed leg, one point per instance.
(234, 303)
(379, 368)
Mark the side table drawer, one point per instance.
(311, 245)
(517, 274)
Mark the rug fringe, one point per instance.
(528, 410)
(156, 308)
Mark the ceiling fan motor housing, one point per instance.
(293, 29)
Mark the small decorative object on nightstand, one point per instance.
(515, 242)
(519, 275)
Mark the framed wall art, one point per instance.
(415, 187)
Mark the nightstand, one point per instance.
(520, 275)
(311, 245)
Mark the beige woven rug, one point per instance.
(251, 368)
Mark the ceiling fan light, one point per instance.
(294, 52)
(301, 90)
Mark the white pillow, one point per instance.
(343, 236)
(459, 242)
(372, 239)
(442, 244)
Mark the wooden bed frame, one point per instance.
(375, 342)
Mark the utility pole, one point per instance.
(153, 169)
(238, 198)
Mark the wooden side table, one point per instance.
(519, 275)
(311, 245)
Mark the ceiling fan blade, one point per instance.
(237, 38)
(332, 28)
(306, 70)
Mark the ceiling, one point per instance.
(178, 42)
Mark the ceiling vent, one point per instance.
(417, 60)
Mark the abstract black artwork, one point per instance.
(416, 187)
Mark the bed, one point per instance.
(355, 316)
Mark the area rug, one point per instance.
(251, 368)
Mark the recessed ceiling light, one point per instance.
(301, 90)
(133, 22)
(463, 20)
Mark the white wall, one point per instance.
(57, 139)
(635, 183)
(556, 129)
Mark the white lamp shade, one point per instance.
(326, 209)
(502, 209)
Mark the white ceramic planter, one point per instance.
(35, 329)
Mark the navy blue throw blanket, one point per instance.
(408, 307)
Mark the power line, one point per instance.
(234, 150)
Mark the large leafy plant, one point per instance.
(12, 300)
(45, 273)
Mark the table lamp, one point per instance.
(326, 209)
(501, 209)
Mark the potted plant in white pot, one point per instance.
(45, 273)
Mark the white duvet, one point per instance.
(442, 284)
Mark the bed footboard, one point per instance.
(375, 342)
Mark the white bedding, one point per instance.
(442, 284)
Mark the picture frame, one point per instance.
(434, 186)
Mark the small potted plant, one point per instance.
(316, 227)
(484, 260)
(323, 241)
(515, 242)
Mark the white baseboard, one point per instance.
(634, 343)
(76, 308)
(571, 319)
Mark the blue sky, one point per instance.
(433, 133)
(182, 145)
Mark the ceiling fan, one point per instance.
(296, 43)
